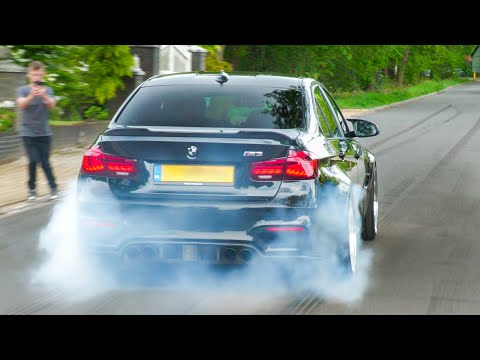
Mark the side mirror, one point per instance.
(363, 128)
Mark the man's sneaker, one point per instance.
(32, 195)
(53, 195)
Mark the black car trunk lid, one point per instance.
(192, 164)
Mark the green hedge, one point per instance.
(7, 119)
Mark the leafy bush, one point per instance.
(74, 116)
(96, 113)
(213, 61)
(7, 118)
(352, 67)
(56, 113)
(80, 75)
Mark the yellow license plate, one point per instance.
(194, 174)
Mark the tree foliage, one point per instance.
(107, 65)
(352, 67)
(86, 76)
(214, 61)
(81, 76)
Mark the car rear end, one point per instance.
(193, 171)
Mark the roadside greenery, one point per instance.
(96, 112)
(367, 100)
(7, 116)
(66, 122)
(349, 68)
(83, 77)
(214, 61)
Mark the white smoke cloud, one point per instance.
(327, 279)
(80, 277)
(65, 268)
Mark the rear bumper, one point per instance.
(194, 252)
(210, 235)
(215, 232)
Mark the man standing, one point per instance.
(35, 101)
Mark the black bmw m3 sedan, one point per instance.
(233, 168)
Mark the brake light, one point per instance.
(300, 166)
(96, 162)
(297, 166)
(268, 170)
(285, 228)
(93, 160)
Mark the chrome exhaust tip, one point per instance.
(132, 253)
(230, 254)
(246, 255)
(149, 252)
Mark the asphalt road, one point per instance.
(424, 260)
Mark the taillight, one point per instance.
(96, 162)
(270, 170)
(93, 161)
(285, 228)
(297, 166)
(300, 166)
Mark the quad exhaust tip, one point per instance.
(149, 252)
(132, 253)
(246, 255)
(230, 254)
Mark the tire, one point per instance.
(348, 245)
(370, 221)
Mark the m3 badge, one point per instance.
(252, 153)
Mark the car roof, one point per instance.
(235, 78)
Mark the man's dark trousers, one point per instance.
(38, 151)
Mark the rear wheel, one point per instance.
(370, 221)
(347, 249)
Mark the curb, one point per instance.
(21, 206)
(399, 103)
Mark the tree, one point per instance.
(107, 65)
(403, 65)
(351, 67)
(81, 76)
(215, 60)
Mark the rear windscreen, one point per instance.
(214, 106)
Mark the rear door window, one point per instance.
(327, 113)
(322, 121)
(336, 111)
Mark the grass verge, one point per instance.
(65, 122)
(367, 100)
